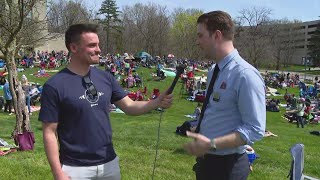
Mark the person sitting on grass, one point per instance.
(34, 94)
(292, 101)
(137, 79)
(131, 82)
(273, 105)
(42, 73)
(197, 111)
(162, 75)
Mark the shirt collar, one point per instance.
(227, 59)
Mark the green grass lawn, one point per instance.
(135, 142)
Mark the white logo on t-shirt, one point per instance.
(93, 100)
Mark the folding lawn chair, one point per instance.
(297, 163)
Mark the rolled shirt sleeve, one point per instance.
(252, 106)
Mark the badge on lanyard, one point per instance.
(216, 96)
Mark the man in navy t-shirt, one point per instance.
(74, 105)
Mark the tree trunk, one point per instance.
(278, 60)
(108, 34)
(18, 96)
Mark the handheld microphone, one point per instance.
(180, 70)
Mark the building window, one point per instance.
(312, 32)
(310, 46)
(299, 40)
(313, 25)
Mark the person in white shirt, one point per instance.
(34, 90)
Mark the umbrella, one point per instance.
(170, 56)
(142, 54)
(129, 57)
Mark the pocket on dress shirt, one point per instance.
(226, 99)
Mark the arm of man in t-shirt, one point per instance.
(135, 108)
(52, 150)
(130, 107)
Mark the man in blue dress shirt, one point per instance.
(236, 110)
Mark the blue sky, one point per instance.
(305, 10)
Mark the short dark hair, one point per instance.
(74, 31)
(218, 20)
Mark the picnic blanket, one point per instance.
(283, 105)
(169, 73)
(114, 109)
(117, 110)
(6, 148)
(52, 71)
(5, 151)
(269, 133)
(190, 116)
(272, 92)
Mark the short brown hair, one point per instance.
(74, 31)
(218, 20)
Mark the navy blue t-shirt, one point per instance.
(84, 130)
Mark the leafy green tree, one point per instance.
(184, 33)
(314, 46)
(282, 38)
(111, 18)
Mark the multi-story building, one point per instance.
(47, 41)
(51, 41)
(305, 31)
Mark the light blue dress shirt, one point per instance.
(241, 106)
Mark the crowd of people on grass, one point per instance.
(302, 108)
(32, 93)
(234, 118)
(278, 80)
(42, 59)
(124, 69)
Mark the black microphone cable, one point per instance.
(180, 70)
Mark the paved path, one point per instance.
(302, 75)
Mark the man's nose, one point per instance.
(98, 49)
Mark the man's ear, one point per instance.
(73, 47)
(218, 35)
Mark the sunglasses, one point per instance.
(90, 87)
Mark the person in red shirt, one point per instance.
(190, 75)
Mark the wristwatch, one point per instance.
(213, 146)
